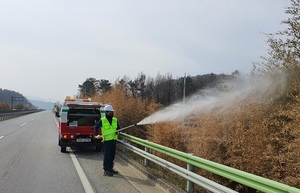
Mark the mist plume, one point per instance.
(226, 94)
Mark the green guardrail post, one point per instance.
(146, 162)
(190, 185)
(123, 148)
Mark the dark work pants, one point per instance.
(109, 151)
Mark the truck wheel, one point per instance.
(63, 149)
(98, 148)
(59, 141)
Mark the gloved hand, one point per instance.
(98, 136)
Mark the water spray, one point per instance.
(222, 98)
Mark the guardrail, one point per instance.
(247, 179)
(4, 115)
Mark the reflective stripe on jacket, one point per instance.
(109, 130)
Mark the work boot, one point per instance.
(108, 173)
(114, 171)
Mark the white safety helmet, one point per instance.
(108, 108)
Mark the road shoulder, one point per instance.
(141, 178)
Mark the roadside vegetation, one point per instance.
(259, 134)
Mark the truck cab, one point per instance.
(76, 123)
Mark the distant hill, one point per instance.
(19, 102)
(42, 104)
(6, 97)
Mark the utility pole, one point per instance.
(184, 84)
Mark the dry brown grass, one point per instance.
(4, 106)
(253, 137)
(260, 135)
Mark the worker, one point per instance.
(109, 126)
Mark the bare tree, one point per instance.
(285, 45)
(141, 84)
(123, 83)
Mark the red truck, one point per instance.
(76, 123)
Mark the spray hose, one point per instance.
(101, 136)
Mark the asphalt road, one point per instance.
(31, 162)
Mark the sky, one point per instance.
(49, 47)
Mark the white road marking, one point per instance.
(23, 124)
(55, 121)
(85, 182)
(1, 137)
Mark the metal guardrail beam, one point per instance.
(191, 176)
(4, 115)
(247, 179)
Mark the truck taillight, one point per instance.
(72, 136)
(65, 136)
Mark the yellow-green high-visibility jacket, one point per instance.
(109, 130)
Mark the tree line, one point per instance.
(163, 89)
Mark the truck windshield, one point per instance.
(83, 116)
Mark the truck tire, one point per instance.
(63, 149)
(98, 148)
